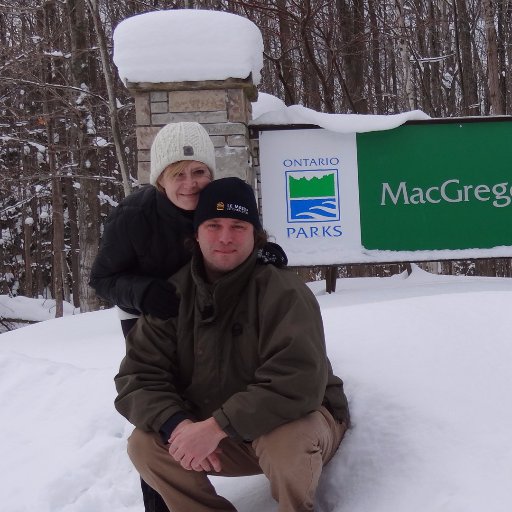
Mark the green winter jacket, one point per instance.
(248, 350)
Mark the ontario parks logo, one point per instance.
(313, 196)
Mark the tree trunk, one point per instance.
(436, 48)
(404, 56)
(28, 228)
(311, 72)
(493, 71)
(375, 58)
(58, 238)
(501, 10)
(286, 59)
(74, 250)
(88, 203)
(57, 203)
(507, 43)
(107, 67)
(57, 224)
(352, 31)
(470, 104)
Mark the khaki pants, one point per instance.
(291, 457)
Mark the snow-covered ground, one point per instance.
(427, 365)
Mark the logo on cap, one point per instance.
(188, 150)
(237, 208)
(220, 206)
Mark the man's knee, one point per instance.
(310, 434)
(140, 445)
(295, 436)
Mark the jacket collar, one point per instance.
(212, 299)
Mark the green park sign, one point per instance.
(428, 185)
(433, 189)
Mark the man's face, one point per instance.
(225, 244)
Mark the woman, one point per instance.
(143, 238)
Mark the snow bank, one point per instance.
(426, 364)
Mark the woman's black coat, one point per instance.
(143, 241)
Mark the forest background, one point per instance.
(67, 137)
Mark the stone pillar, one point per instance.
(222, 107)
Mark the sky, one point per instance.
(426, 363)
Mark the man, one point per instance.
(239, 383)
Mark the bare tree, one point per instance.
(465, 58)
(107, 66)
(493, 69)
(82, 71)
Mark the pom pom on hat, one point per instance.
(230, 198)
(180, 141)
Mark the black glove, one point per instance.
(160, 300)
(272, 254)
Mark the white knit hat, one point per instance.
(180, 141)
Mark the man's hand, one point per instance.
(195, 445)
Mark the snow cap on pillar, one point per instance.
(187, 45)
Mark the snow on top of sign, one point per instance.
(187, 44)
(269, 110)
(266, 103)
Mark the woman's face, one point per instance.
(183, 189)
